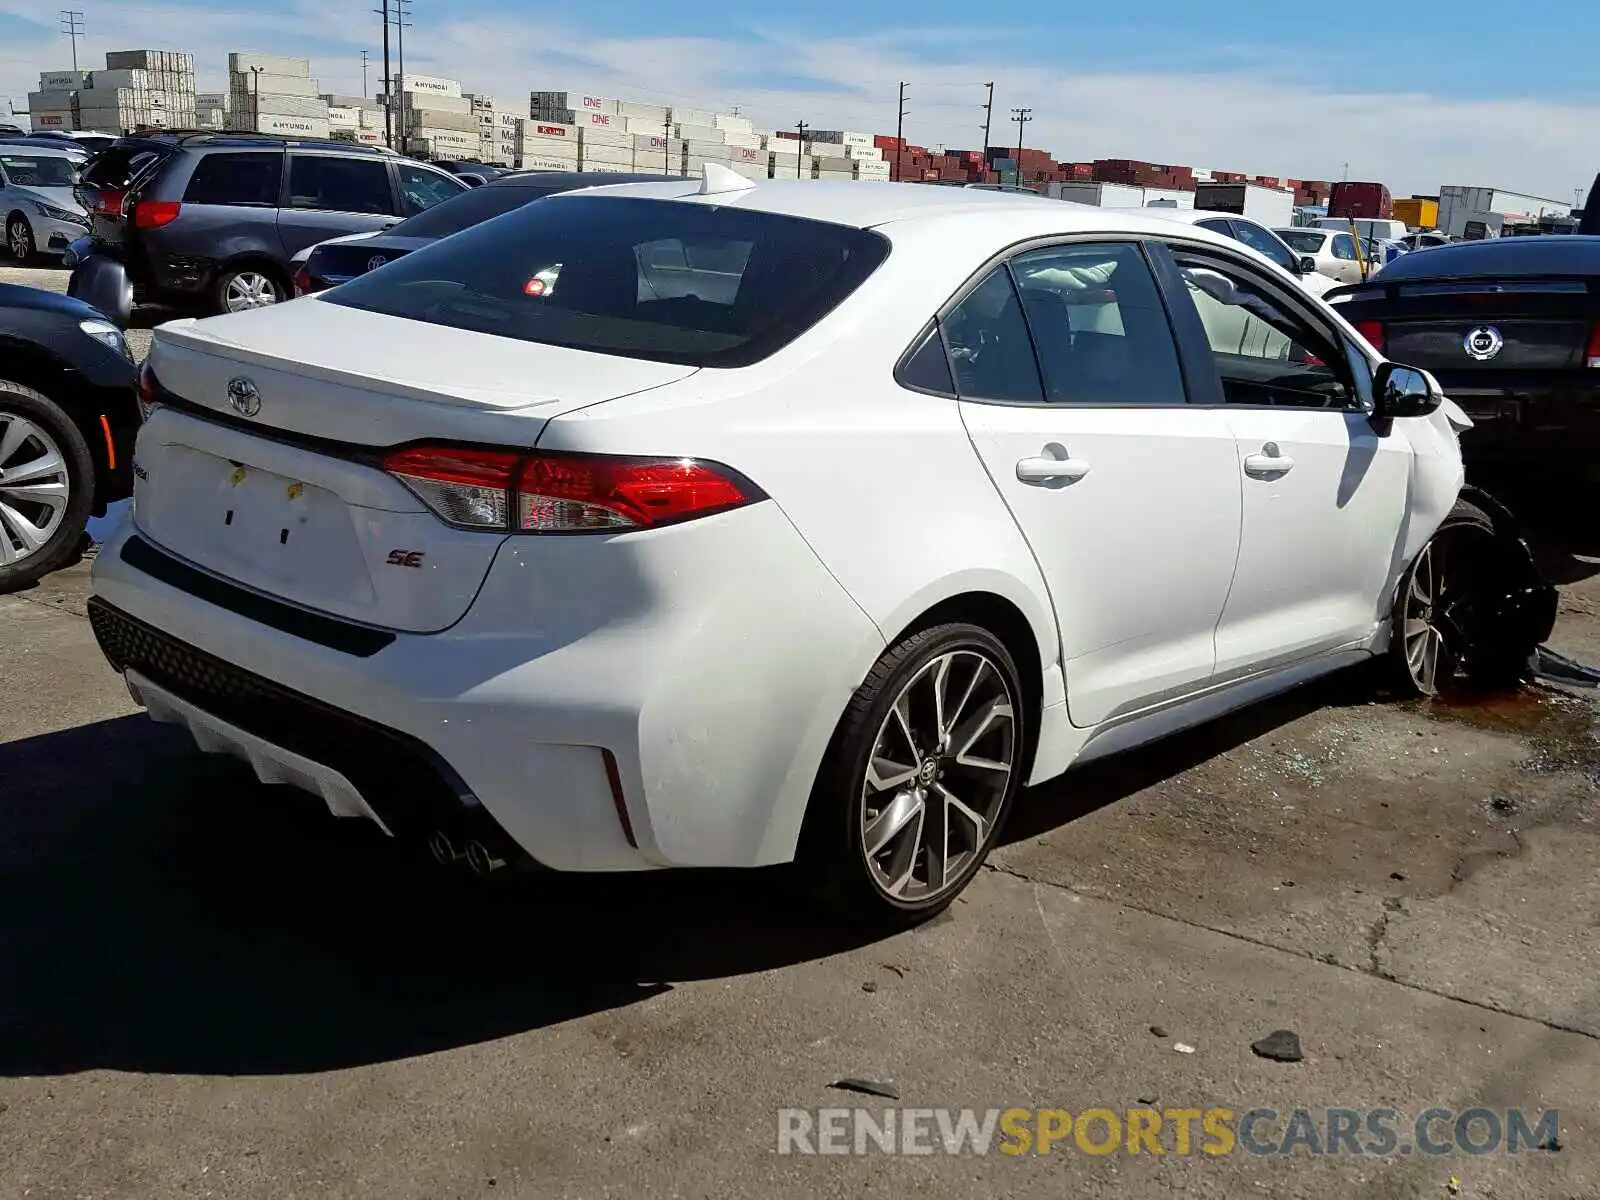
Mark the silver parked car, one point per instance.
(37, 205)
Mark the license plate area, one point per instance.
(260, 528)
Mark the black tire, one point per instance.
(225, 281)
(20, 233)
(62, 547)
(1439, 579)
(834, 855)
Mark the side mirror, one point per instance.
(1308, 265)
(1399, 391)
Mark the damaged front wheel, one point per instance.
(1449, 624)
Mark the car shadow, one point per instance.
(160, 911)
(1085, 790)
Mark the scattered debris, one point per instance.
(1453, 1186)
(1397, 876)
(1504, 805)
(1151, 1099)
(1558, 668)
(900, 971)
(868, 1087)
(1159, 1030)
(1181, 1048)
(1282, 1045)
(869, 986)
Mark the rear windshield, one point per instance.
(1305, 242)
(662, 280)
(117, 166)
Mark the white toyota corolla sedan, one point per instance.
(710, 523)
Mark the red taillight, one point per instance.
(149, 392)
(153, 214)
(464, 487)
(561, 493)
(1373, 332)
(107, 202)
(564, 493)
(1593, 352)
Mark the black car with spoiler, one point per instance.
(1510, 327)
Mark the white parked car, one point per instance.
(719, 524)
(1335, 253)
(39, 211)
(1258, 237)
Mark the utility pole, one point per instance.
(363, 74)
(1021, 116)
(988, 115)
(400, 15)
(72, 26)
(666, 147)
(800, 126)
(388, 80)
(900, 137)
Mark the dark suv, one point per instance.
(217, 218)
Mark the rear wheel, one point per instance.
(19, 240)
(240, 289)
(1428, 646)
(921, 774)
(46, 486)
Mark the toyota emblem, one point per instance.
(376, 261)
(243, 396)
(1483, 343)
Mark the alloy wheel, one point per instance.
(20, 241)
(249, 289)
(34, 488)
(938, 775)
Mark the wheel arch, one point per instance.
(34, 367)
(263, 260)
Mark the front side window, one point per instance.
(330, 184)
(711, 286)
(1099, 326)
(1265, 354)
(1266, 242)
(420, 190)
(991, 354)
(247, 179)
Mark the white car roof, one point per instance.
(41, 151)
(867, 205)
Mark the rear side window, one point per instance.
(247, 179)
(420, 190)
(655, 279)
(466, 209)
(1099, 326)
(1344, 246)
(990, 351)
(329, 184)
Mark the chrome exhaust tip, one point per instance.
(443, 849)
(481, 860)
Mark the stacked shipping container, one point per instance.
(138, 89)
(268, 93)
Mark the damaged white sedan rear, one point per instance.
(722, 524)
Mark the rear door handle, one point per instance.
(1269, 463)
(1051, 470)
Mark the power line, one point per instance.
(72, 26)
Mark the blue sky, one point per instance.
(1474, 97)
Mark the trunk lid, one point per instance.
(292, 501)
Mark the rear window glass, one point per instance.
(662, 280)
(118, 166)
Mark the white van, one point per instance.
(1388, 231)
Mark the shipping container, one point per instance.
(747, 157)
(701, 133)
(431, 85)
(53, 120)
(1272, 207)
(250, 82)
(243, 62)
(1370, 200)
(656, 113)
(747, 141)
(1417, 213)
(59, 81)
(340, 115)
(433, 119)
(175, 61)
(606, 137)
(733, 124)
(306, 127)
(693, 116)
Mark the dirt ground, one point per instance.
(211, 988)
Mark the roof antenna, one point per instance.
(717, 179)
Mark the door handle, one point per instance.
(1268, 463)
(1051, 470)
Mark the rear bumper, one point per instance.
(713, 686)
(1515, 410)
